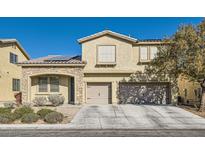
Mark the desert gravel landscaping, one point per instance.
(30, 115)
(193, 110)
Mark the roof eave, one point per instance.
(23, 50)
(151, 43)
(42, 65)
(97, 35)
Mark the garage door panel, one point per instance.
(98, 93)
(144, 93)
(98, 101)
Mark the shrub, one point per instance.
(54, 117)
(43, 112)
(29, 118)
(5, 110)
(9, 105)
(27, 104)
(19, 112)
(40, 101)
(56, 99)
(6, 118)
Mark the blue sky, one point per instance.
(51, 36)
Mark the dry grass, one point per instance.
(193, 110)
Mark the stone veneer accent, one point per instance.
(75, 71)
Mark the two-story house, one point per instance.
(11, 52)
(97, 76)
(111, 58)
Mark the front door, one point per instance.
(98, 93)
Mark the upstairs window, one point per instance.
(13, 58)
(143, 53)
(147, 53)
(106, 54)
(153, 52)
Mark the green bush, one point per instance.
(43, 112)
(6, 118)
(19, 112)
(9, 105)
(56, 99)
(5, 110)
(40, 101)
(54, 117)
(29, 118)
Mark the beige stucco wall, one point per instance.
(127, 62)
(8, 71)
(64, 88)
(126, 55)
(114, 79)
(28, 91)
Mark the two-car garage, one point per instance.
(130, 92)
(144, 93)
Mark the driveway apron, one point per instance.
(135, 117)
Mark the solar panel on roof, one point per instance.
(59, 58)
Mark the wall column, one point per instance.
(114, 92)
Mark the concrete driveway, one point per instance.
(135, 117)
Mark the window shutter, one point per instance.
(153, 53)
(106, 54)
(143, 53)
(11, 61)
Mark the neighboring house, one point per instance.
(11, 52)
(108, 58)
(189, 91)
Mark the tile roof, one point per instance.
(55, 59)
(151, 40)
(122, 36)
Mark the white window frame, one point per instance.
(150, 53)
(106, 62)
(144, 60)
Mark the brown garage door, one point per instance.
(99, 93)
(144, 93)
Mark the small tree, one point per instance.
(182, 55)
